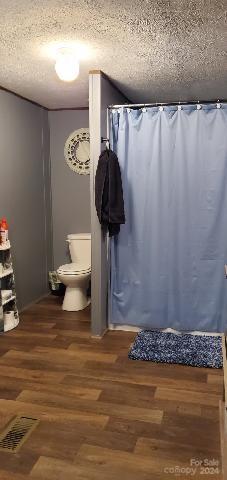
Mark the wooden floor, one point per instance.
(103, 417)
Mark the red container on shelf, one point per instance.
(4, 231)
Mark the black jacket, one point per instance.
(109, 200)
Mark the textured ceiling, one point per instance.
(161, 50)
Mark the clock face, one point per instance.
(77, 151)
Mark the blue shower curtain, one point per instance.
(167, 264)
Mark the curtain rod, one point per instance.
(193, 102)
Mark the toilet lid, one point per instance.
(72, 268)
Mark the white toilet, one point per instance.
(76, 275)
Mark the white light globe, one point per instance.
(67, 65)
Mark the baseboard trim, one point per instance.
(125, 328)
(99, 337)
(21, 310)
(224, 353)
(223, 437)
(132, 328)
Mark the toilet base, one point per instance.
(75, 299)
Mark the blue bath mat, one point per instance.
(186, 349)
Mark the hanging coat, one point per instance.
(109, 200)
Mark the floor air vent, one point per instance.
(16, 433)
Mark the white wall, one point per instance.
(70, 191)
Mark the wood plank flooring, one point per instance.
(102, 416)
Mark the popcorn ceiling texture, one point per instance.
(162, 50)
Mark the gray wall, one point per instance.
(25, 192)
(70, 191)
(101, 94)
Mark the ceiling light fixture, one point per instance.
(67, 64)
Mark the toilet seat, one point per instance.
(74, 269)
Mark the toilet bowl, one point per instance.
(76, 275)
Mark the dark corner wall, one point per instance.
(25, 195)
(70, 191)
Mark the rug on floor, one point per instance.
(185, 349)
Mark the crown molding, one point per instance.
(7, 90)
(67, 108)
(22, 97)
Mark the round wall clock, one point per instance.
(77, 151)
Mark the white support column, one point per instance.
(102, 93)
(98, 243)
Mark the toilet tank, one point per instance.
(80, 247)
